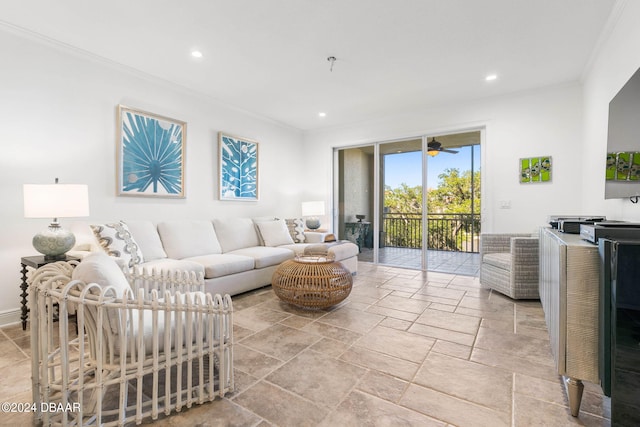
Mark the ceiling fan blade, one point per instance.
(449, 151)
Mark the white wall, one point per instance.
(543, 122)
(58, 119)
(616, 61)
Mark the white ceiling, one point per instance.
(269, 57)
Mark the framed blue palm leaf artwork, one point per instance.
(151, 154)
(238, 168)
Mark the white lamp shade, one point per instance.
(313, 208)
(56, 200)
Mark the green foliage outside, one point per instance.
(453, 195)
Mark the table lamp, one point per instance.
(55, 201)
(312, 210)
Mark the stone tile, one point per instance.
(443, 334)
(452, 321)
(448, 293)
(532, 349)
(333, 332)
(403, 345)
(10, 353)
(240, 333)
(474, 382)
(403, 304)
(529, 411)
(453, 410)
(332, 348)
(511, 363)
(361, 409)
(383, 386)
(399, 368)
(323, 380)
(296, 321)
(280, 407)
(16, 379)
(353, 320)
(442, 307)
(401, 325)
(258, 318)
(253, 362)
(220, 412)
(390, 312)
(281, 342)
(452, 349)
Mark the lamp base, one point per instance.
(54, 242)
(312, 223)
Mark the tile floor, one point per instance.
(405, 349)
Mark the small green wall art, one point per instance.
(623, 166)
(150, 154)
(535, 169)
(238, 168)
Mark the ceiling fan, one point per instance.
(434, 147)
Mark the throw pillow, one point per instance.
(296, 229)
(117, 241)
(275, 233)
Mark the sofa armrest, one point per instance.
(315, 236)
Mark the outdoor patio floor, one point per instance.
(463, 263)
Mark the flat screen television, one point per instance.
(623, 142)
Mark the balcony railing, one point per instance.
(447, 232)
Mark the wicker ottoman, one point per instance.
(313, 282)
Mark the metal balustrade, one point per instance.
(459, 232)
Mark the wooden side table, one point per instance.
(34, 262)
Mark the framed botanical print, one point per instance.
(238, 161)
(150, 154)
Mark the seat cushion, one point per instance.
(185, 239)
(340, 250)
(499, 259)
(265, 256)
(168, 264)
(218, 265)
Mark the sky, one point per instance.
(407, 167)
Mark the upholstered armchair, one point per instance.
(509, 264)
(146, 342)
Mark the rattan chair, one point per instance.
(158, 346)
(509, 264)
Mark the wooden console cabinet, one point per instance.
(569, 292)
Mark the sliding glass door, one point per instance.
(410, 203)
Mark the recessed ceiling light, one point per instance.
(491, 77)
(196, 54)
(322, 114)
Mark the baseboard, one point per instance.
(10, 317)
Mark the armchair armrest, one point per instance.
(498, 242)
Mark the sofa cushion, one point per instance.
(184, 239)
(498, 259)
(168, 264)
(146, 234)
(296, 229)
(265, 256)
(117, 241)
(236, 233)
(274, 233)
(218, 265)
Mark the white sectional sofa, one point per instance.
(236, 255)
